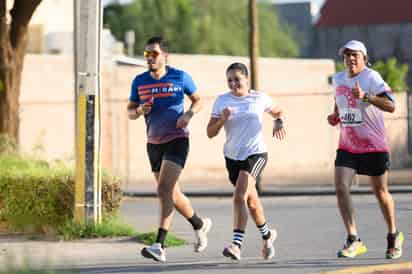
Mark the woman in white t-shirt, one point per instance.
(240, 112)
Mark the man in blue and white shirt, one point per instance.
(158, 94)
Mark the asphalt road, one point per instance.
(310, 233)
(309, 228)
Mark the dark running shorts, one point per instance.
(254, 164)
(370, 164)
(175, 151)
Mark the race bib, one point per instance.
(350, 117)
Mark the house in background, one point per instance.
(51, 30)
(384, 26)
(51, 27)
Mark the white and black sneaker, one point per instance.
(268, 250)
(232, 251)
(201, 235)
(155, 252)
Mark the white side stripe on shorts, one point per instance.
(257, 167)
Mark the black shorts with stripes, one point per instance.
(254, 164)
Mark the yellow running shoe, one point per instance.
(353, 249)
(396, 251)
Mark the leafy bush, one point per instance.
(339, 66)
(7, 145)
(38, 196)
(393, 73)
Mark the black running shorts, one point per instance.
(175, 151)
(370, 164)
(254, 164)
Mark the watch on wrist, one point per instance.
(190, 113)
(366, 98)
(279, 122)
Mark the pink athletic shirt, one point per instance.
(362, 127)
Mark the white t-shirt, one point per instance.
(362, 128)
(244, 126)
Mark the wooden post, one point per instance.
(253, 44)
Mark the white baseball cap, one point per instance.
(354, 45)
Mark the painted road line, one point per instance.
(372, 268)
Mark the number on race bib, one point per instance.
(350, 117)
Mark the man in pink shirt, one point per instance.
(361, 98)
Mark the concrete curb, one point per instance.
(274, 192)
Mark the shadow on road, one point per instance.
(244, 265)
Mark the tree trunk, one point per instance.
(13, 41)
(10, 76)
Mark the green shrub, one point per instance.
(38, 196)
(7, 145)
(393, 73)
(339, 66)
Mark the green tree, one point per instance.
(200, 26)
(13, 41)
(393, 73)
(150, 17)
(276, 39)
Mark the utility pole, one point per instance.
(88, 25)
(130, 40)
(253, 56)
(253, 44)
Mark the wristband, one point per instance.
(279, 122)
(190, 113)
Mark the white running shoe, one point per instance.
(201, 235)
(232, 251)
(268, 250)
(155, 252)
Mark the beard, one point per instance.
(152, 67)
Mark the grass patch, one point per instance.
(150, 237)
(113, 226)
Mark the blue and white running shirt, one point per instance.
(167, 94)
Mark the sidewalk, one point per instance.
(400, 181)
(41, 254)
